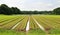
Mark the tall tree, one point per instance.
(57, 11)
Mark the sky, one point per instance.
(32, 4)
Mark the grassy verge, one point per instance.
(36, 32)
(54, 31)
(10, 32)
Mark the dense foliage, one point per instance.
(4, 9)
(57, 11)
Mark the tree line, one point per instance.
(4, 9)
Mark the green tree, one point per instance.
(5, 9)
(57, 11)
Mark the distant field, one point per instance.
(38, 24)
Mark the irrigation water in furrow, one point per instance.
(17, 24)
(22, 25)
(41, 27)
(11, 24)
(27, 27)
(49, 23)
(33, 24)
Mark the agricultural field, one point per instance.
(29, 24)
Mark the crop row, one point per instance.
(50, 23)
(9, 24)
(33, 24)
(22, 25)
